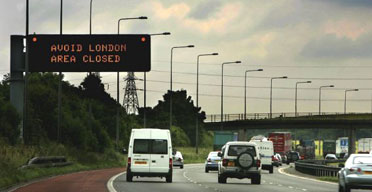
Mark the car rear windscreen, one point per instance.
(362, 160)
(150, 146)
(235, 150)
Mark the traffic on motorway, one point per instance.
(151, 155)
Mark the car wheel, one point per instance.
(221, 179)
(181, 167)
(347, 188)
(271, 170)
(206, 170)
(340, 188)
(256, 180)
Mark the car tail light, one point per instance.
(209, 160)
(258, 163)
(355, 169)
(129, 160)
(273, 158)
(224, 162)
(170, 163)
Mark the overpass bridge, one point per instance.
(345, 122)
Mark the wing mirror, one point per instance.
(219, 154)
(124, 151)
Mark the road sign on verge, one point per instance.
(89, 53)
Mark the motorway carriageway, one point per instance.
(193, 178)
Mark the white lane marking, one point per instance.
(110, 183)
(305, 178)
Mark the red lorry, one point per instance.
(282, 142)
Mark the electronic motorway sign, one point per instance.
(89, 53)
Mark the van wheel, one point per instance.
(271, 170)
(206, 170)
(129, 177)
(256, 180)
(168, 178)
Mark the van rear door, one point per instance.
(160, 156)
(141, 155)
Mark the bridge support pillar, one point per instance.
(242, 135)
(352, 139)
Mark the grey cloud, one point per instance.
(205, 9)
(350, 3)
(332, 47)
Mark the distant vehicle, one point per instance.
(282, 143)
(330, 157)
(306, 149)
(211, 162)
(357, 173)
(222, 137)
(342, 146)
(178, 159)
(364, 145)
(266, 152)
(277, 160)
(329, 147)
(292, 156)
(240, 160)
(150, 154)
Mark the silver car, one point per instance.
(212, 161)
(357, 173)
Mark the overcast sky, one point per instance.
(325, 41)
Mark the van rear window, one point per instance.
(141, 146)
(150, 146)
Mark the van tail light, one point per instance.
(258, 163)
(129, 163)
(170, 163)
(224, 162)
(209, 160)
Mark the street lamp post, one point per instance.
(197, 101)
(225, 63)
(320, 96)
(301, 82)
(144, 84)
(348, 90)
(118, 83)
(171, 81)
(245, 90)
(271, 94)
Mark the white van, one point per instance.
(266, 149)
(150, 154)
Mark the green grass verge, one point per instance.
(329, 179)
(13, 157)
(190, 156)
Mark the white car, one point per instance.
(240, 159)
(330, 157)
(178, 159)
(150, 154)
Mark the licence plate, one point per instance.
(367, 172)
(231, 164)
(140, 162)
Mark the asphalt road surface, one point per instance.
(193, 178)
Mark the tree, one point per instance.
(184, 115)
